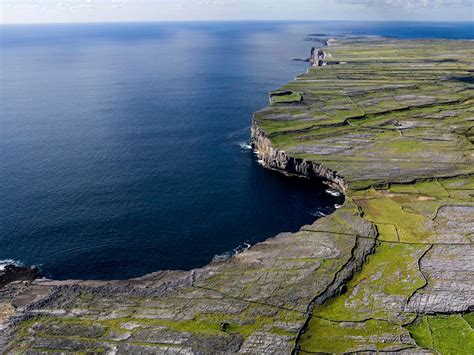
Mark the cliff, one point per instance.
(278, 160)
(392, 270)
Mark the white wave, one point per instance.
(241, 248)
(318, 214)
(337, 206)
(228, 254)
(244, 145)
(4, 263)
(260, 161)
(222, 257)
(333, 192)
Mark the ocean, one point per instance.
(124, 148)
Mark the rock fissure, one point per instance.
(422, 274)
(250, 301)
(381, 240)
(359, 253)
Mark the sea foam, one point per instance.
(333, 192)
(245, 145)
(228, 254)
(4, 263)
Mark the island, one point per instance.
(386, 122)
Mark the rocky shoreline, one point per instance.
(278, 160)
(12, 273)
(390, 271)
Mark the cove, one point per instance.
(125, 146)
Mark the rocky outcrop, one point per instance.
(12, 272)
(279, 160)
(318, 57)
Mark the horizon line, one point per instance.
(220, 21)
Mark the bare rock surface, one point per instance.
(449, 272)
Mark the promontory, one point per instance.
(388, 123)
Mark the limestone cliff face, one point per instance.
(279, 160)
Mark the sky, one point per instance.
(49, 11)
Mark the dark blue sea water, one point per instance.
(123, 146)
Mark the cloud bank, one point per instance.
(34, 11)
(409, 3)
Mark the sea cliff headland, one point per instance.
(391, 270)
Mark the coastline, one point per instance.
(300, 291)
(278, 160)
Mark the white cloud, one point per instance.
(221, 3)
(409, 3)
(21, 11)
(65, 3)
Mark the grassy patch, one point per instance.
(245, 323)
(430, 188)
(469, 318)
(452, 335)
(282, 332)
(289, 98)
(389, 210)
(391, 272)
(420, 332)
(86, 296)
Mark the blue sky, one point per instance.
(39, 11)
